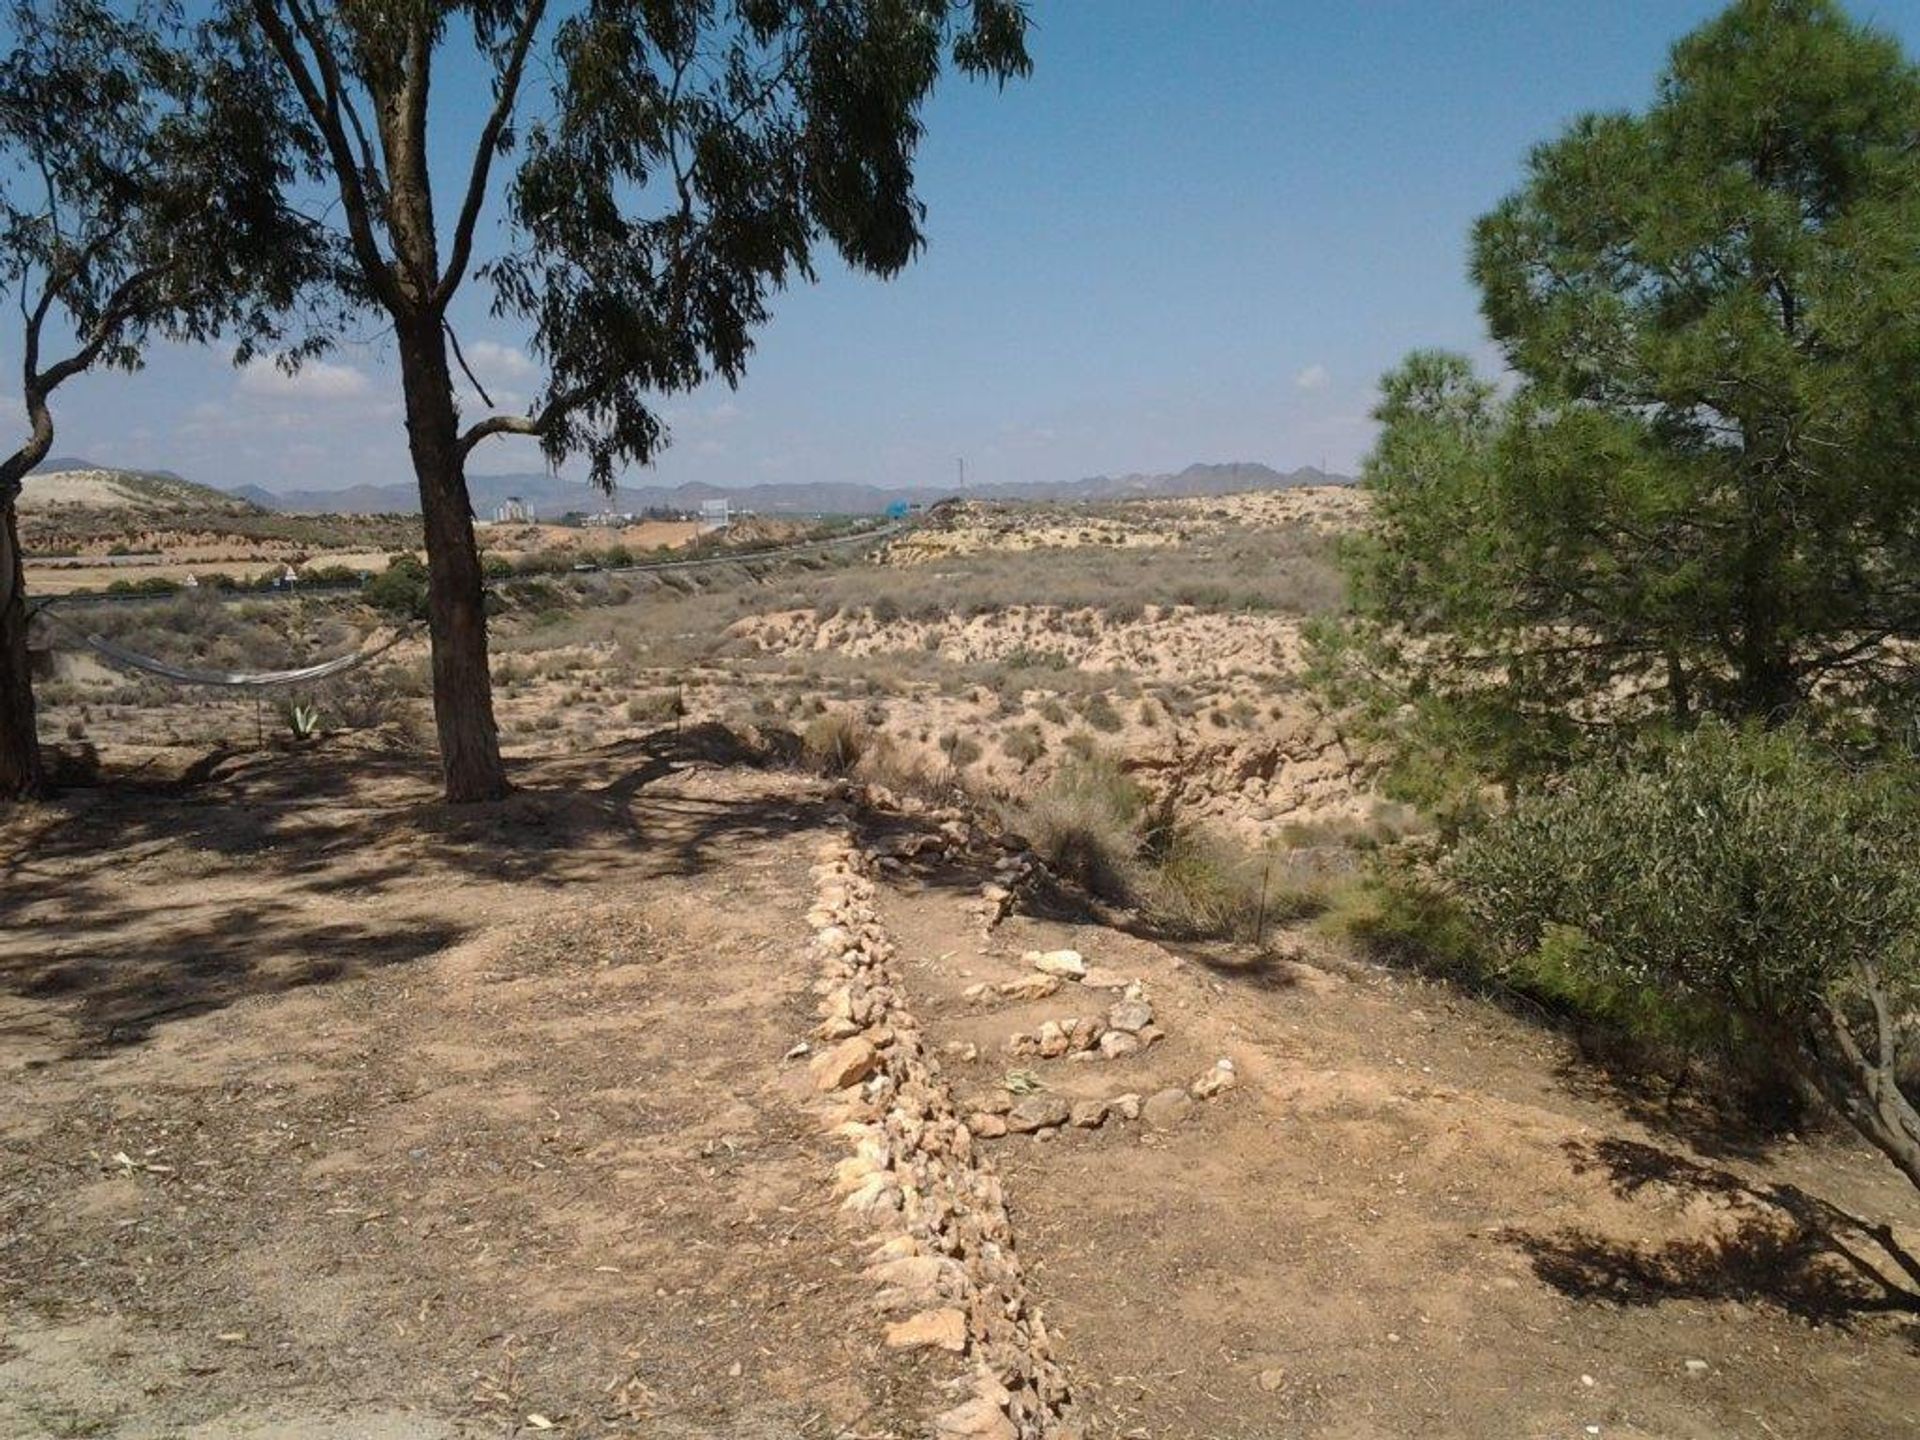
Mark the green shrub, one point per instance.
(400, 589)
(146, 585)
(1404, 919)
(329, 575)
(1746, 888)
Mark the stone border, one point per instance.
(942, 1254)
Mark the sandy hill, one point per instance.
(79, 486)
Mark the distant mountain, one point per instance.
(551, 495)
(1232, 478)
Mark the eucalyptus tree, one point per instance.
(656, 169)
(139, 197)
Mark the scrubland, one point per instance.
(485, 1073)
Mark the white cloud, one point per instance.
(490, 357)
(1314, 377)
(315, 380)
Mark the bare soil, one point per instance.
(1418, 1215)
(331, 1111)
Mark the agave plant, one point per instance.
(303, 719)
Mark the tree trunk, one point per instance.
(22, 776)
(1865, 1088)
(456, 594)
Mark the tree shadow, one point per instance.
(120, 990)
(102, 938)
(1714, 1112)
(1782, 1247)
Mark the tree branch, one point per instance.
(120, 307)
(535, 425)
(324, 112)
(337, 91)
(465, 369)
(483, 154)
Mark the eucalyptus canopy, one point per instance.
(139, 196)
(657, 169)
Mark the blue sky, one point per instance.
(1199, 232)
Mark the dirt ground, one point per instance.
(332, 1112)
(329, 1115)
(1417, 1215)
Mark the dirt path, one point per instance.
(1406, 1219)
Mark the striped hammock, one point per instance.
(238, 679)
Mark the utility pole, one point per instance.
(963, 472)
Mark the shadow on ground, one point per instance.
(1779, 1246)
(251, 873)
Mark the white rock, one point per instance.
(977, 1419)
(1029, 987)
(1220, 1078)
(1053, 1040)
(1068, 963)
(1116, 1043)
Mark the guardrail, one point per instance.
(298, 590)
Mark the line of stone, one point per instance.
(942, 1251)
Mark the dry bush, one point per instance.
(1024, 744)
(201, 630)
(1196, 884)
(370, 697)
(660, 707)
(1085, 824)
(834, 742)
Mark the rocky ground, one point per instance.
(691, 1096)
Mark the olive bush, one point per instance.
(1748, 875)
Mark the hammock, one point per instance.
(239, 679)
